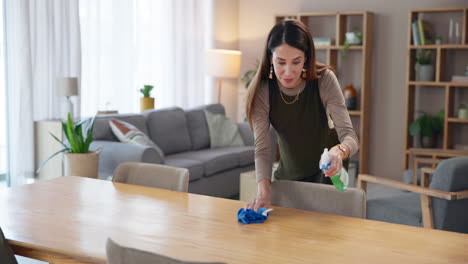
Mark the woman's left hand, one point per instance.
(336, 162)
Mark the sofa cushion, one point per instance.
(102, 130)
(168, 129)
(198, 127)
(214, 108)
(127, 133)
(246, 133)
(404, 208)
(246, 154)
(214, 160)
(195, 167)
(223, 131)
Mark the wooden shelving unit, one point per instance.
(334, 25)
(443, 67)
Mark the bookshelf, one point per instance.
(355, 69)
(449, 58)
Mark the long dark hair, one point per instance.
(295, 34)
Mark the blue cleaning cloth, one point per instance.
(249, 216)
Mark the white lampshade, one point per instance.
(223, 63)
(67, 86)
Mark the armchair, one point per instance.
(442, 204)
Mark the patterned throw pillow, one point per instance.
(128, 133)
(223, 131)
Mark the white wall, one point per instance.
(256, 17)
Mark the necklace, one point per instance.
(296, 98)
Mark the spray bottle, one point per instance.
(340, 180)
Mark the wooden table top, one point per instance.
(72, 217)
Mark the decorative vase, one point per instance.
(146, 103)
(424, 72)
(350, 96)
(82, 164)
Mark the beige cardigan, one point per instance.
(333, 101)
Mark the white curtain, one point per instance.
(3, 138)
(42, 44)
(129, 43)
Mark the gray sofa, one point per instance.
(183, 136)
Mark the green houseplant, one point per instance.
(248, 76)
(423, 66)
(79, 160)
(352, 38)
(427, 127)
(146, 102)
(146, 90)
(423, 57)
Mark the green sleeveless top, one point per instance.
(303, 132)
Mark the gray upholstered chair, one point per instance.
(117, 254)
(6, 254)
(442, 204)
(152, 175)
(319, 198)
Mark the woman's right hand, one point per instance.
(263, 197)
(261, 201)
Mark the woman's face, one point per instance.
(288, 63)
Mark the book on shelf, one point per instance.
(322, 42)
(415, 30)
(461, 147)
(460, 78)
(425, 32)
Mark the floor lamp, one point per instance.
(223, 64)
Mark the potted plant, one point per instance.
(79, 160)
(462, 112)
(427, 127)
(352, 38)
(146, 102)
(248, 76)
(423, 66)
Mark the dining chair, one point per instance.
(152, 175)
(6, 254)
(440, 204)
(317, 197)
(118, 254)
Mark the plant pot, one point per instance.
(146, 103)
(427, 142)
(424, 72)
(352, 38)
(82, 164)
(462, 112)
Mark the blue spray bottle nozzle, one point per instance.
(325, 160)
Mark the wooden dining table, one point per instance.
(69, 219)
